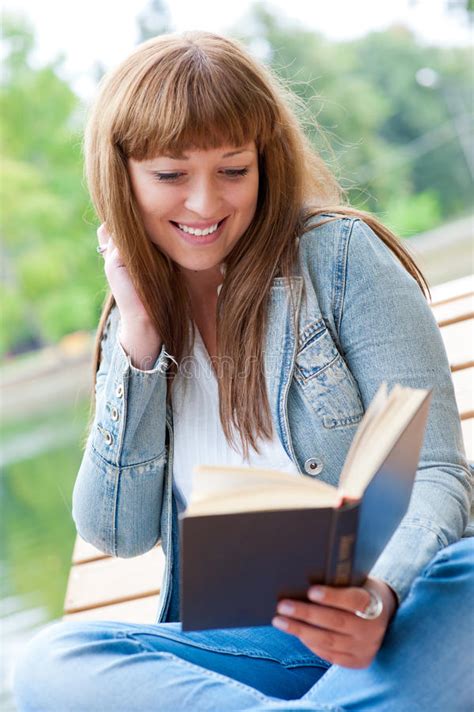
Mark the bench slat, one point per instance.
(112, 580)
(458, 340)
(464, 388)
(468, 435)
(84, 552)
(138, 610)
(452, 290)
(455, 310)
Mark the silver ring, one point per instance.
(374, 608)
(101, 249)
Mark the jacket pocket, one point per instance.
(327, 382)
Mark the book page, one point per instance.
(373, 434)
(261, 499)
(379, 437)
(224, 486)
(373, 411)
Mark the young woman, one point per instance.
(227, 241)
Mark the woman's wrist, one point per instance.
(141, 343)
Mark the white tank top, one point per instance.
(198, 434)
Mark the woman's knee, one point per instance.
(454, 563)
(37, 667)
(58, 669)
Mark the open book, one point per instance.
(252, 536)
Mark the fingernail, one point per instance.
(280, 623)
(316, 593)
(286, 608)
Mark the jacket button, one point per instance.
(313, 466)
(114, 414)
(119, 391)
(108, 437)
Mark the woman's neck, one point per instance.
(203, 284)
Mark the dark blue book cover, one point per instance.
(235, 567)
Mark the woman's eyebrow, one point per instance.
(234, 153)
(183, 157)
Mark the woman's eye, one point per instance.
(164, 177)
(236, 172)
(170, 177)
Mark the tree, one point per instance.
(51, 285)
(419, 121)
(391, 141)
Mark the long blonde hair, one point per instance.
(202, 90)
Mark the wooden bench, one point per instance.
(101, 587)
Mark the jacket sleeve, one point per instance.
(388, 332)
(118, 492)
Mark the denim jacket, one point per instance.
(361, 319)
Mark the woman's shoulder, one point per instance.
(323, 243)
(334, 239)
(325, 229)
(338, 252)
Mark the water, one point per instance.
(40, 458)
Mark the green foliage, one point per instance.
(30, 210)
(46, 242)
(14, 325)
(420, 121)
(409, 215)
(389, 136)
(66, 312)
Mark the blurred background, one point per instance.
(391, 88)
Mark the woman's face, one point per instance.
(196, 206)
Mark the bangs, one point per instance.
(192, 100)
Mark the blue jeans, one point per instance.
(425, 662)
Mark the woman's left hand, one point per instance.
(330, 628)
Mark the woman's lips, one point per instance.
(199, 239)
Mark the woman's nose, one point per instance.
(203, 199)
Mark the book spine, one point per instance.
(342, 545)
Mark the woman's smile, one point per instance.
(198, 236)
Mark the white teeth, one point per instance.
(198, 233)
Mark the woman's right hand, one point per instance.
(137, 334)
(128, 302)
